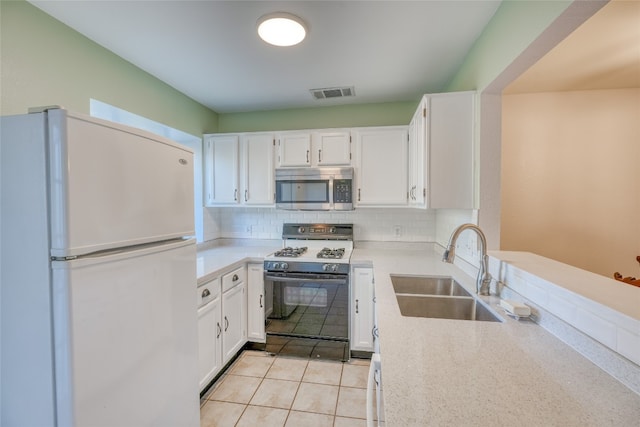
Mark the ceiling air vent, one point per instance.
(333, 92)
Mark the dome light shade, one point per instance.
(281, 29)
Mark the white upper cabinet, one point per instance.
(294, 149)
(448, 134)
(327, 147)
(416, 161)
(239, 169)
(221, 170)
(381, 166)
(258, 167)
(332, 148)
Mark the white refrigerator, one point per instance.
(98, 275)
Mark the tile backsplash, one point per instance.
(401, 225)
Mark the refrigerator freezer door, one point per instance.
(114, 186)
(125, 335)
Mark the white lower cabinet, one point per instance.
(234, 313)
(209, 331)
(222, 322)
(256, 303)
(362, 309)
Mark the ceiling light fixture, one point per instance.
(281, 29)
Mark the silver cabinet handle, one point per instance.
(358, 194)
(245, 195)
(307, 156)
(206, 293)
(235, 195)
(319, 156)
(356, 306)
(226, 323)
(235, 278)
(260, 301)
(219, 329)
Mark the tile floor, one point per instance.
(264, 390)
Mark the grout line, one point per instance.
(335, 411)
(300, 381)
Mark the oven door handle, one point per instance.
(303, 280)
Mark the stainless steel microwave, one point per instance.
(314, 189)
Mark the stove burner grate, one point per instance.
(327, 253)
(289, 252)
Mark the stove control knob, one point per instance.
(334, 267)
(332, 230)
(325, 267)
(284, 266)
(301, 230)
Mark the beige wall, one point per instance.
(571, 178)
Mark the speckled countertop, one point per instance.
(212, 261)
(461, 373)
(439, 372)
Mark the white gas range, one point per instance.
(313, 248)
(307, 288)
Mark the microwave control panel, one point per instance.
(342, 191)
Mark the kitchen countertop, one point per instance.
(212, 261)
(463, 373)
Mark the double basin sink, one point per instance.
(438, 297)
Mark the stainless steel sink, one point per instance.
(438, 297)
(458, 308)
(427, 285)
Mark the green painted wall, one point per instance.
(383, 114)
(45, 62)
(515, 25)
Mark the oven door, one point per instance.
(309, 305)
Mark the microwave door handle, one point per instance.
(331, 204)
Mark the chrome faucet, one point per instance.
(484, 278)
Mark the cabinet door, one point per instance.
(294, 149)
(258, 169)
(255, 303)
(382, 166)
(209, 341)
(450, 130)
(233, 321)
(332, 148)
(417, 139)
(221, 170)
(362, 309)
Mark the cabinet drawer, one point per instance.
(237, 276)
(208, 292)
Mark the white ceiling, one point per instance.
(209, 50)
